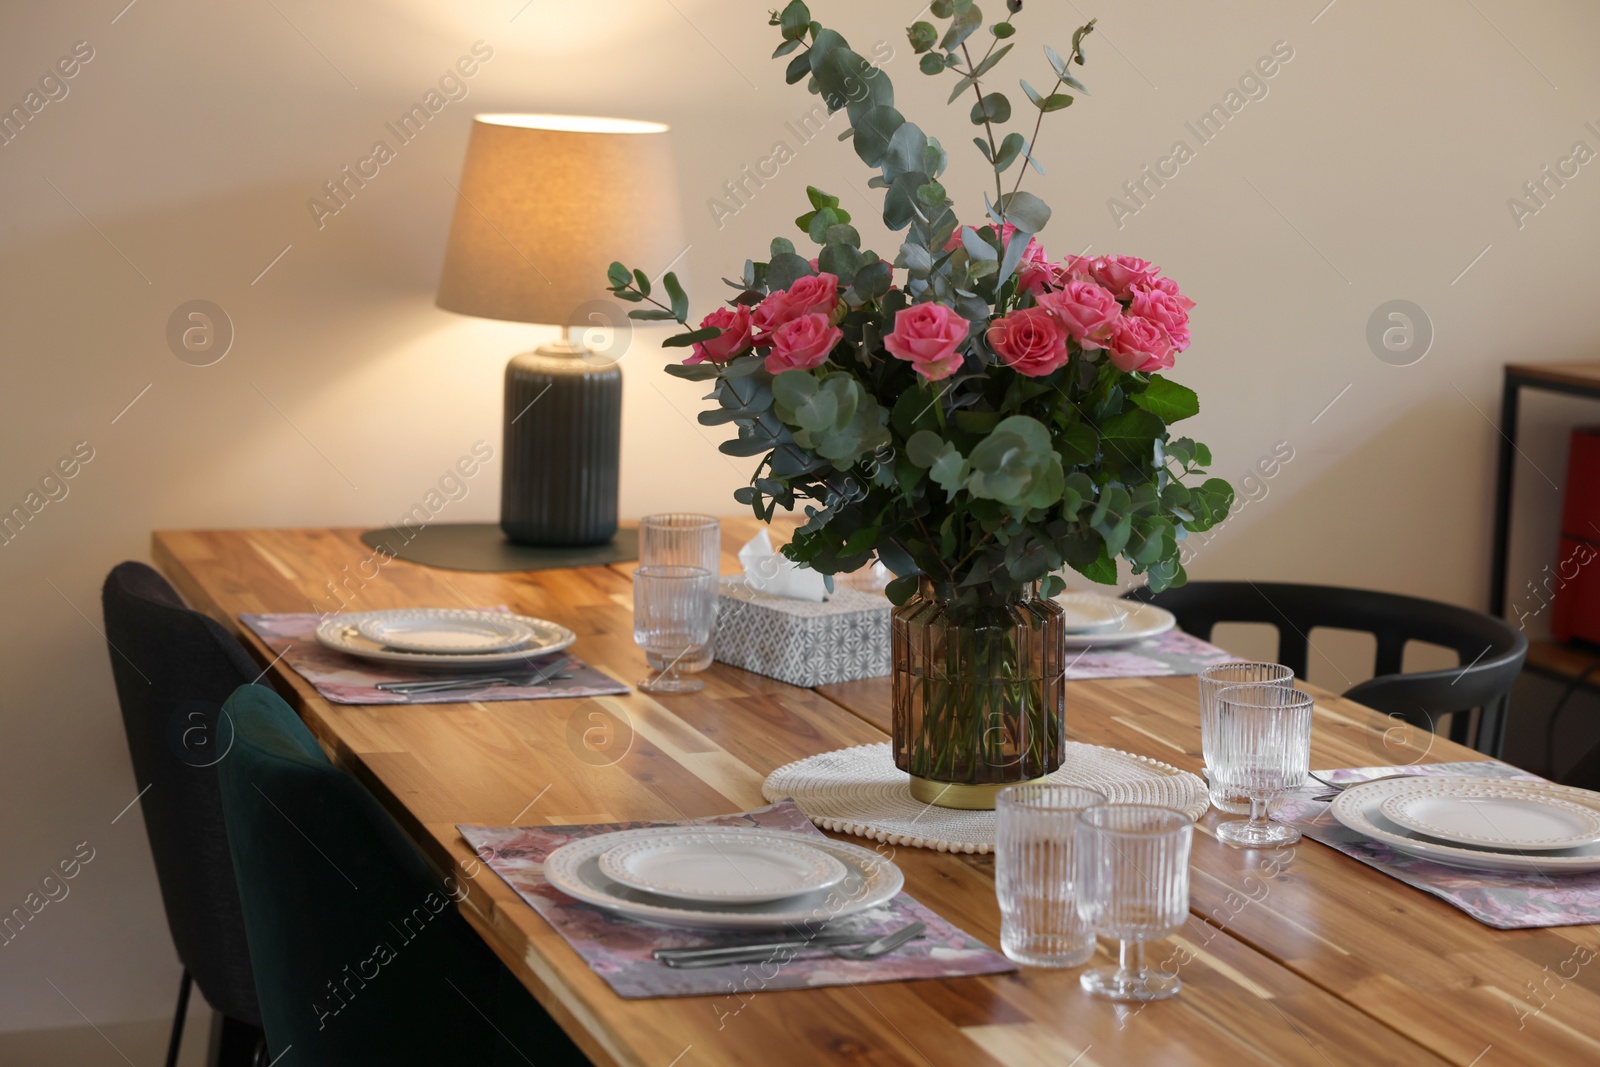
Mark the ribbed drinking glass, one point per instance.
(676, 539)
(673, 609)
(1133, 884)
(1035, 828)
(1261, 750)
(1220, 676)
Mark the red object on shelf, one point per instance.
(1575, 612)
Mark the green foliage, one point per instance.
(986, 480)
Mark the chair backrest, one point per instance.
(356, 941)
(173, 669)
(1490, 651)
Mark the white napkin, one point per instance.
(769, 572)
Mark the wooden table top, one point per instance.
(1299, 957)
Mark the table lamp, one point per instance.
(545, 204)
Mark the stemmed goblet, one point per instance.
(1133, 884)
(1262, 750)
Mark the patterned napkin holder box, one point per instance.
(802, 642)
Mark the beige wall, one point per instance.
(1377, 167)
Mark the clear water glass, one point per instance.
(1035, 835)
(1133, 885)
(1220, 676)
(673, 611)
(1262, 750)
(675, 539)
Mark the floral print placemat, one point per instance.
(345, 679)
(1506, 901)
(619, 948)
(1174, 652)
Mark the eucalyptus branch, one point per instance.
(988, 127)
(1033, 142)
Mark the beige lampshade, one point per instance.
(545, 204)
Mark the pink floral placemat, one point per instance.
(1174, 652)
(1506, 901)
(347, 680)
(619, 949)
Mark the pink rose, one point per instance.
(1123, 274)
(1166, 311)
(1031, 342)
(735, 326)
(1170, 287)
(1078, 268)
(811, 294)
(802, 343)
(1037, 278)
(927, 335)
(1086, 310)
(1137, 344)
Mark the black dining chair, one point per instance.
(1490, 651)
(360, 953)
(173, 669)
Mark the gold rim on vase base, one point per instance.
(978, 797)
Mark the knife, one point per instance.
(820, 941)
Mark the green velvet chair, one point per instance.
(359, 952)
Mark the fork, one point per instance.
(438, 685)
(869, 951)
(1335, 788)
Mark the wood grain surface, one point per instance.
(1300, 957)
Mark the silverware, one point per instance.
(798, 941)
(472, 681)
(1335, 788)
(872, 949)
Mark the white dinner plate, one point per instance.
(1142, 622)
(1490, 815)
(869, 881)
(1360, 808)
(450, 630)
(342, 633)
(1090, 612)
(721, 864)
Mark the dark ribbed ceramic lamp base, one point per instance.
(563, 442)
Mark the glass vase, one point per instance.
(979, 693)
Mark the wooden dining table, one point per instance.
(1297, 956)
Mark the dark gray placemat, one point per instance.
(481, 546)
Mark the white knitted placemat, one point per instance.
(860, 791)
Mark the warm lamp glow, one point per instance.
(545, 204)
(573, 123)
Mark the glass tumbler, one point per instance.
(681, 540)
(673, 609)
(1034, 878)
(1133, 884)
(1262, 750)
(1220, 676)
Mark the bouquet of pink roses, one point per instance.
(967, 409)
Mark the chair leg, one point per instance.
(235, 1043)
(177, 1021)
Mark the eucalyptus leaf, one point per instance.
(993, 107)
(1025, 211)
(684, 340)
(994, 57)
(873, 132)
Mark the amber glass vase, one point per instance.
(979, 697)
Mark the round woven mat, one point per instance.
(860, 791)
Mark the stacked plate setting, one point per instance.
(722, 877)
(1095, 621)
(443, 637)
(1488, 824)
